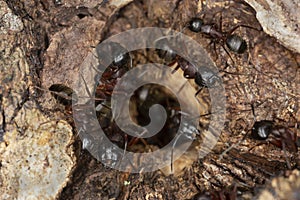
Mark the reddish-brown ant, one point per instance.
(204, 77)
(121, 62)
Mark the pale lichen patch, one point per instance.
(37, 163)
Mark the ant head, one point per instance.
(195, 24)
(262, 129)
(236, 44)
(119, 54)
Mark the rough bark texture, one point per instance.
(44, 43)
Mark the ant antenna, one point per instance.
(103, 2)
(244, 137)
(172, 151)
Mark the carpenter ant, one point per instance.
(234, 42)
(121, 61)
(277, 135)
(268, 131)
(204, 77)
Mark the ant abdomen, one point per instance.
(207, 78)
(236, 44)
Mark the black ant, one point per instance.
(277, 135)
(234, 42)
(204, 77)
(121, 63)
(268, 131)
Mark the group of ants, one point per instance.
(266, 131)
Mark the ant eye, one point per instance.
(236, 44)
(195, 24)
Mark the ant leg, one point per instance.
(233, 146)
(253, 112)
(199, 91)
(176, 68)
(228, 54)
(125, 148)
(220, 25)
(130, 61)
(215, 49)
(182, 87)
(85, 85)
(242, 25)
(259, 144)
(285, 155)
(134, 140)
(172, 151)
